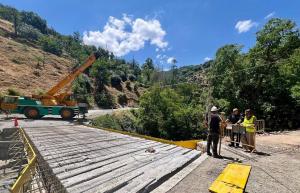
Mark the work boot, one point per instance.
(217, 156)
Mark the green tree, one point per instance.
(28, 32)
(51, 44)
(148, 69)
(82, 89)
(136, 68)
(264, 78)
(16, 21)
(225, 83)
(31, 18)
(166, 113)
(100, 71)
(8, 13)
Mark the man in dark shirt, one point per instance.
(233, 119)
(213, 124)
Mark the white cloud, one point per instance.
(270, 15)
(122, 36)
(245, 25)
(170, 60)
(207, 59)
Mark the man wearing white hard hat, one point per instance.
(213, 124)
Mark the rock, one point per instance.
(150, 150)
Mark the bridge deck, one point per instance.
(86, 159)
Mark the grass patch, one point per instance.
(13, 92)
(16, 61)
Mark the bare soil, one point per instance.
(27, 69)
(284, 138)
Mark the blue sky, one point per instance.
(189, 30)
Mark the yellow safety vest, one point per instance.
(249, 124)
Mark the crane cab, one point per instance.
(9, 103)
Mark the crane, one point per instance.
(53, 102)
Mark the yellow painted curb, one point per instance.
(190, 144)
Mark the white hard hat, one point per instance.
(213, 109)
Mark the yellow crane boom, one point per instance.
(73, 75)
(53, 97)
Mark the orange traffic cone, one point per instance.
(16, 122)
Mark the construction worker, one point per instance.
(213, 123)
(234, 118)
(250, 124)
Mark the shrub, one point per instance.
(122, 99)
(13, 92)
(40, 92)
(28, 32)
(105, 100)
(123, 77)
(135, 88)
(115, 81)
(128, 85)
(132, 78)
(36, 73)
(82, 89)
(124, 120)
(128, 122)
(164, 114)
(16, 61)
(106, 121)
(50, 44)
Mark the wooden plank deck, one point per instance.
(86, 159)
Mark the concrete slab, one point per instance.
(86, 159)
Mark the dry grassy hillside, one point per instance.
(27, 69)
(6, 26)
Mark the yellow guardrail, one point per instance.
(190, 144)
(28, 172)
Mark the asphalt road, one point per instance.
(50, 119)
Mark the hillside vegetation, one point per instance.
(265, 79)
(35, 57)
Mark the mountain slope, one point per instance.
(29, 69)
(26, 68)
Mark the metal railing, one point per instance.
(241, 131)
(27, 174)
(36, 176)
